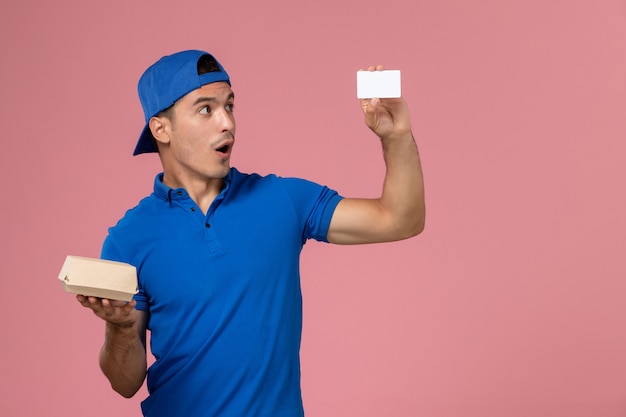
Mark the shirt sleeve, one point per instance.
(110, 252)
(314, 204)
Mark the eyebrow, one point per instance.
(211, 99)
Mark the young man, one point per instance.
(217, 251)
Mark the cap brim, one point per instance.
(146, 142)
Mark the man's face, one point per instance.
(201, 133)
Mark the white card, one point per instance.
(379, 84)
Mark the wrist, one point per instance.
(397, 137)
(120, 329)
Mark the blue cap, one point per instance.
(168, 80)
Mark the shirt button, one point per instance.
(207, 225)
(193, 209)
(180, 193)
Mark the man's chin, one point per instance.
(224, 170)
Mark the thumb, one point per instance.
(374, 103)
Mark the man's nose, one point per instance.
(226, 120)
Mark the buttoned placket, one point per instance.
(182, 199)
(210, 232)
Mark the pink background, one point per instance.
(510, 304)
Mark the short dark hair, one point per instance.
(206, 64)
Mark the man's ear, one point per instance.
(160, 127)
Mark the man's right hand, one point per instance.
(115, 312)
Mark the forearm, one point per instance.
(123, 358)
(402, 198)
(398, 213)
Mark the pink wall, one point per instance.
(510, 304)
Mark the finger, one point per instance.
(90, 302)
(84, 301)
(128, 307)
(109, 307)
(94, 300)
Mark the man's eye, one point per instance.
(205, 110)
(230, 107)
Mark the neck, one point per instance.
(201, 190)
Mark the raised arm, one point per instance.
(399, 213)
(123, 355)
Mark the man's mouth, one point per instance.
(225, 145)
(225, 148)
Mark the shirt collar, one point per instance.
(168, 194)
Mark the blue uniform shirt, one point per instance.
(222, 291)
